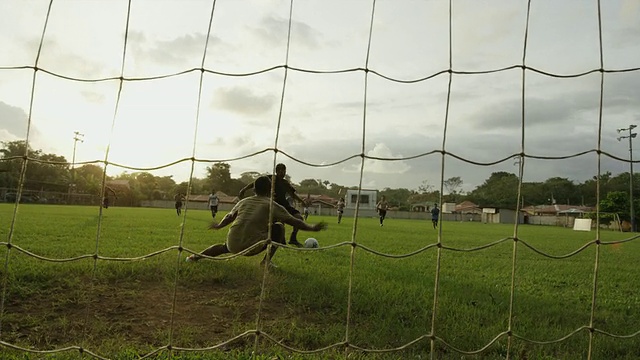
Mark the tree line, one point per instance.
(52, 173)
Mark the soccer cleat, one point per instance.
(295, 243)
(190, 258)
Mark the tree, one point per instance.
(46, 172)
(425, 187)
(234, 187)
(337, 191)
(165, 186)
(248, 177)
(320, 187)
(533, 193)
(52, 174)
(309, 183)
(589, 187)
(452, 185)
(219, 176)
(148, 186)
(562, 190)
(130, 194)
(618, 202)
(398, 197)
(198, 186)
(88, 179)
(499, 190)
(181, 188)
(424, 199)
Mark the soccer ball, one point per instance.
(311, 243)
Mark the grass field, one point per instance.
(126, 309)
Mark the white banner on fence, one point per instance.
(582, 225)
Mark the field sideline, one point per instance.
(123, 309)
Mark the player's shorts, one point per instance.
(382, 213)
(234, 246)
(178, 204)
(340, 211)
(214, 208)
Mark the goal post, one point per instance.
(612, 220)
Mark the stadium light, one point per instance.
(77, 136)
(631, 136)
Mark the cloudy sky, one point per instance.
(325, 108)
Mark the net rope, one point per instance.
(440, 245)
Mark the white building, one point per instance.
(368, 199)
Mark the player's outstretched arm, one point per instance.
(226, 220)
(299, 199)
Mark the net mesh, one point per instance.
(291, 77)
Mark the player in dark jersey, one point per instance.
(283, 189)
(435, 214)
(179, 198)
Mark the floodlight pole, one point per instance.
(77, 136)
(631, 136)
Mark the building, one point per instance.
(420, 203)
(368, 199)
(557, 209)
(501, 216)
(556, 214)
(319, 202)
(467, 207)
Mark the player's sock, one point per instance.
(293, 239)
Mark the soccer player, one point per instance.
(340, 209)
(435, 214)
(250, 225)
(213, 203)
(282, 190)
(382, 207)
(179, 198)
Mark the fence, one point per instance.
(48, 197)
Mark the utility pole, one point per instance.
(631, 136)
(517, 160)
(77, 136)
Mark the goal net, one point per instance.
(356, 95)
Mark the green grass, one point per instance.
(125, 309)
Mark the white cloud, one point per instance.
(243, 101)
(7, 136)
(13, 120)
(375, 166)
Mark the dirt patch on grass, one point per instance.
(140, 314)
